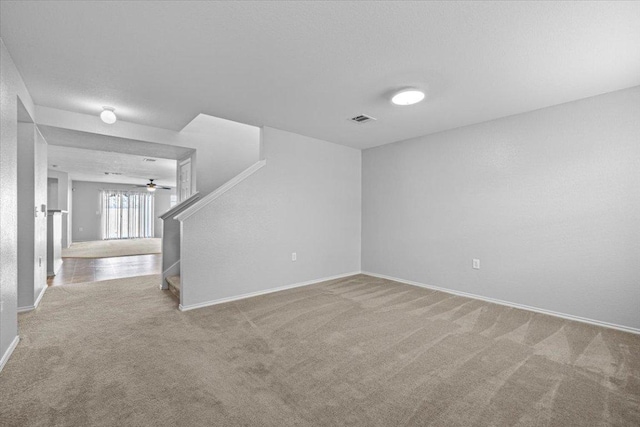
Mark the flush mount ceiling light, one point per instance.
(108, 116)
(408, 96)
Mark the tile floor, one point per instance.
(80, 270)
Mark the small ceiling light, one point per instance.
(108, 116)
(151, 189)
(408, 96)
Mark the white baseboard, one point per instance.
(511, 304)
(7, 354)
(267, 291)
(35, 304)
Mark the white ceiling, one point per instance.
(309, 66)
(91, 165)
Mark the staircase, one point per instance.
(174, 285)
(175, 233)
(171, 246)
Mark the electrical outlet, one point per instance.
(476, 264)
(294, 256)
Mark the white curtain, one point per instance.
(126, 214)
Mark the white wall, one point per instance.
(224, 148)
(161, 204)
(549, 201)
(86, 208)
(62, 201)
(305, 200)
(11, 88)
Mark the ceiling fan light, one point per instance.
(408, 96)
(108, 115)
(151, 189)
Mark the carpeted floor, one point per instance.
(357, 351)
(113, 248)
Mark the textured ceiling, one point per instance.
(91, 165)
(307, 67)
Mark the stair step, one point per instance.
(174, 285)
(174, 281)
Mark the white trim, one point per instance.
(35, 304)
(266, 291)
(183, 204)
(511, 304)
(7, 354)
(220, 191)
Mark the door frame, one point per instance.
(190, 159)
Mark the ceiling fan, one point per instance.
(151, 186)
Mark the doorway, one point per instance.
(184, 181)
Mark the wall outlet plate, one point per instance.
(294, 256)
(476, 264)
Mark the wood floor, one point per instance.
(80, 270)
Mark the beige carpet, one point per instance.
(113, 248)
(359, 351)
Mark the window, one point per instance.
(126, 214)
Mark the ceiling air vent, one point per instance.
(146, 159)
(362, 118)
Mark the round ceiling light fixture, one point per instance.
(408, 96)
(108, 115)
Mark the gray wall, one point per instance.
(305, 200)
(32, 218)
(52, 193)
(549, 201)
(62, 201)
(12, 88)
(86, 208)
